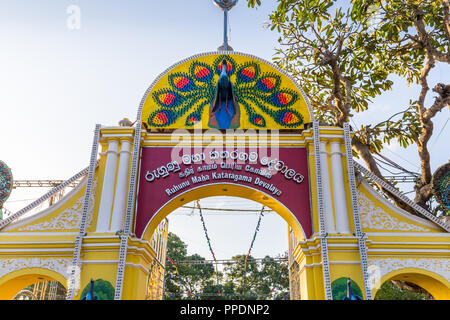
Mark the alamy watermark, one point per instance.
(73, 20)
(374, 273)
(233, 146)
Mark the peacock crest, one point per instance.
(256, 96)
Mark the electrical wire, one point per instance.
(227, 209)
(437, 138)
(404, 159)
(278, 280)
(209, 243)
(395, 165)
(227, 261)
(9, 201)
(261, 214)
(393, 173)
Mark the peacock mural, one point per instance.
(225, 91)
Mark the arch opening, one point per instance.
(34, 283)
(224, 189)
(208, 244)
(412, 284)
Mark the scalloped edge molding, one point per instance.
(379, 267)
(59, 265)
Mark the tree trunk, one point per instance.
(363, 151)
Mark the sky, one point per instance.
(59, 78)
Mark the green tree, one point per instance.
(268, 279)
(345, 57)
(412, 37)
(275, 278)
(211, 290)
(180, 279)
(390, 291)
(244, 276)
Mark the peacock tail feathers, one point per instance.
(260, 95)
(201, 72)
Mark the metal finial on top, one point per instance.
(225, 5)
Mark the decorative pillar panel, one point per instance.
(340, 204)
(104, 213)
(120, 196)
(327, 201)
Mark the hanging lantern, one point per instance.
(441, 185)
(6, 184)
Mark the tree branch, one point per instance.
(446, 22)
(425, 40)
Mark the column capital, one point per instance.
(126, 139)
(336, 140)
(323, 147)
(125, 146)
(113, 146)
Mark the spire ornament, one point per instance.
(226, 6)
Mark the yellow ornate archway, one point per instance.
(91, 232)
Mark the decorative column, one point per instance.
(120, 196)
(107, 197)
(340, 203)
(327, 201)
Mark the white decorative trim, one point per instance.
(139, 266)
(68, 219)
(356, 213)
(345, 262)
(9, 234)
(409, 234)
(55, 251)
(381, 267)
(18, 214)
(59, 265)
(73, 284)
(129, 211)
(391, 206)
(321, 212)
(374, 217)
(402, 197)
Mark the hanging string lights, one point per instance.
(179, 275)
(216, 262)
(261, 214)
(209, 245)
(278, 280)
